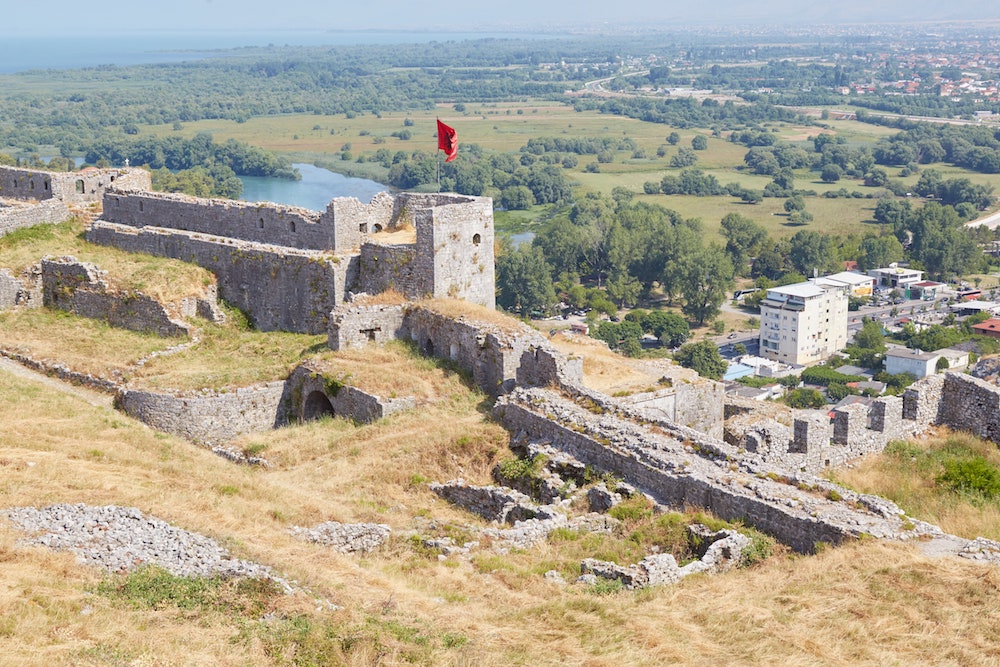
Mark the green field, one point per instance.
(509, 126)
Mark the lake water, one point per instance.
(314, 191)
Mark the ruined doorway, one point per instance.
(317, 406)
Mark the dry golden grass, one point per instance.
(910, 483)
(864, 604)
(613, 373)
(166, 280)
(85, 345)
(456, 308)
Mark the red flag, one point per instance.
(447, 141)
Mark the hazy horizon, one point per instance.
(62, 17)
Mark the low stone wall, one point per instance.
(279, 288)
(62, 372)
(208, 417)
(679, 473)
(16, 216)
(314, 392)
(21, 292)
(78, 287)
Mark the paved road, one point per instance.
(991, 221)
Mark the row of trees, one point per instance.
(626, 247)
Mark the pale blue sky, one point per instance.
(57, 17)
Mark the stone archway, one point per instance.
(317, 406)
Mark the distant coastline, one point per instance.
(21, 54)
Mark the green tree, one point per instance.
(811, 251)
(524, 281)
(703, 358)
(699, 142)
(795, 203)
(744, 239)
(706, 278)
(673, 138)
(831, 173)
(623, 289)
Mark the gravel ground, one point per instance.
(121, 539)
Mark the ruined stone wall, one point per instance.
(279, 289)
(675, 474)
(69, 187)
(49, 211)
(971, 404)
(264, 222)
(699, 405)
(208, 417)
(343, 399)
(24, 291)
(544, 366)
(492, 355)
(385, 267)
(357, 325)
(78, 288)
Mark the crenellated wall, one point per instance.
(679, 473)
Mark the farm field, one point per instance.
(508, 127)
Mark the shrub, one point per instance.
(974, 476)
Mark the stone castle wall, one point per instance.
(456, 235)
(393, 267)
(357, 325)
(78, 287)
(815, 443)
(674, 472)
(208, 418)
(69, 187)
(48, 211)
(970, 404)
(278, 288)
(491, 354)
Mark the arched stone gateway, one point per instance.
(317, 406)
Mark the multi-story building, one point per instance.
(805, 322)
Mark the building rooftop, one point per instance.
(803, 290)
(992, 324)
(907, 353)
(849, 277)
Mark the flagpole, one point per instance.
(438, 156)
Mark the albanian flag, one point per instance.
(447, 141)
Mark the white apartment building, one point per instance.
(804, 323)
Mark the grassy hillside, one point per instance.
(869, 603)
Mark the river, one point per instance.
(314, 191)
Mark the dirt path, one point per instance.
(95, 398)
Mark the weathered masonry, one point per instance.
(289, 267)
(73, 187)
(33, 197)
